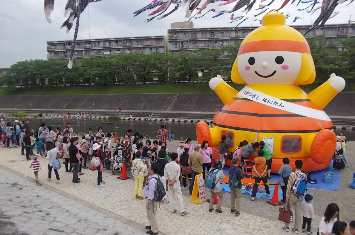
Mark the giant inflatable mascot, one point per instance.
(273, 61)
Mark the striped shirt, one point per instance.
(35, 164)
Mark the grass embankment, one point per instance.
(131, 89)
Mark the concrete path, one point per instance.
(29, 209)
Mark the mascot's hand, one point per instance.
(338, 83)
(214, 82)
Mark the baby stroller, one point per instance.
(117, 160)
(338, 162)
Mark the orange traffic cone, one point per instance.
(123, 173)
(275, 197)
(215, 199)
(115, 137)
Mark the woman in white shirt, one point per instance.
(331, 215)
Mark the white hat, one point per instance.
(16, 121)
(96, 146)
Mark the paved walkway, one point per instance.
(116, 198)
(29, 209)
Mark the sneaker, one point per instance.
(252, 198)
(287, 229)
(183, 213)
(304, 230)
(174, 212)
(210, 210)
(165, 202)
(309, 233)
(49, 179)
(295, 230)
(218, 211)
(237, 213)
(81, 173)
(148, 227)
(233, 211)
(268, 195)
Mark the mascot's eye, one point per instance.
(279, 59)
(251, 60)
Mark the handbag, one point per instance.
(285, 214)
(186, 170)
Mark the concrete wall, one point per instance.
(178, 104)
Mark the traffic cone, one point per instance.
(275, 197)
(115, 137)
(123, 173)
(215, 199)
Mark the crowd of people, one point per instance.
(153, 165)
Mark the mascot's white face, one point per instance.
(269, 67)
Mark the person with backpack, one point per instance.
(51, 157)
(296, 188)
(259, 174)
(213, 183)
(150, 192)
(172, 175)
(161, 167)
(235, 183)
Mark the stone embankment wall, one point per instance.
(201, 106)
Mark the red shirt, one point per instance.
(163, 135)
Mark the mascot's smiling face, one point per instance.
(269, 67)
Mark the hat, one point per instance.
(87, 137)
(339, 138)
(343, 138)
(96, 146)
(235, 160)
(34, 157)
(197, 147)
(16, 121)
(181, 145)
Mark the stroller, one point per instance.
(338, 162)
(117, 160)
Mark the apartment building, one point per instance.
(181, 36)
(106, 46)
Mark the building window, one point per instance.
(212, 34)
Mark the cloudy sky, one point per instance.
(24, 30)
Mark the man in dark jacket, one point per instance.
(235, 184)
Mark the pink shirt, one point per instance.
(190, 147)
(206, 153)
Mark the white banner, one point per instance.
(270, 101)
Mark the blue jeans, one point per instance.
(85, 156)
(39, 151)
(43, 140)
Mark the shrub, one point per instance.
(19, 114)
(114, 117)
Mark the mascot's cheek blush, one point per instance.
(248, 67)
(285, 67)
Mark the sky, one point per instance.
(24, 30)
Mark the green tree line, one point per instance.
(330, 56)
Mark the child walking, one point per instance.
(38, 144)
(36, 167)
(308, 214)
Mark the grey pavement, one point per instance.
(27, 209)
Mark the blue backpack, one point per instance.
(211, 179)
(300, 185)
(56, 164)
(233, 183)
